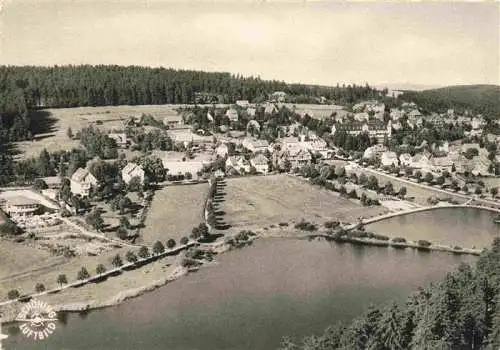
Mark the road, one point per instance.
(429, 188)
(96, 235)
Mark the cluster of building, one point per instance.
(444, 158)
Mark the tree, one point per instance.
(373, 183)
(83, 274)
(100, 269)
(135, 184)
(418, 175)
(440, 180)
(39, 287)
(188, 175)
(184, 240)
(124, 204)
(13, 294)
(62, 279)
(117, 261)
(122, 233)
(389, 329)
(95, 219)
(170, 243)
(389, 189)
(363, 179)
(428, 178)
(158, 248)
(494, 191)
(478, 190)
(40, 184)
(131, 257)
(69, 133)
(195, 233)
(143, 252)
(402, 191)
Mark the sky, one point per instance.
(319, 42)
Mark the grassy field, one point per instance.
(255, 202)
(16, 259)
(50, 125)
(175, 210)
(23, 267)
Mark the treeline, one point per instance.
(25, 88)
(479, 99)
(462, 311)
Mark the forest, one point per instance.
(478, 99)
(462, 311)
(26, 88)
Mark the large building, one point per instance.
(375, 129)
(20, 206)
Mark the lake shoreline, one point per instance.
(221, 248)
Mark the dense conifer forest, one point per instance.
(462, 311)
(23, 89)
(480, 99)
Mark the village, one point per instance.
(131, 171)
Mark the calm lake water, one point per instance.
(253, 297)
(466, 227)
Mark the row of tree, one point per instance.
(116, 262)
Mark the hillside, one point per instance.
(484, 99)
(27, 88)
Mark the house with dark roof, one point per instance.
(120, 139)
(375, 129)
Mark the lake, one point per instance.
(466, 227)
(254, 296)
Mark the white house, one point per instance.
(389, 158)
(405, 159)
(242, 103)
(222, 150)
(177, 167)
(420, 161)
(260, 163)
(251, 112)
(232, 114)
(254, 145)
(132, 170)
(361, 117)
(298, 157)
(82, 181)
(270, 109)
(369, 153)
(442, 164)
(238, 163)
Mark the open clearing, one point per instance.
(255, 202)
(174, 212)
(51, 125)
(23, 267)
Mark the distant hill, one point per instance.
(406, 86)
(483, 99)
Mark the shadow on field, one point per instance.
(9, 149)
(42, 122)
